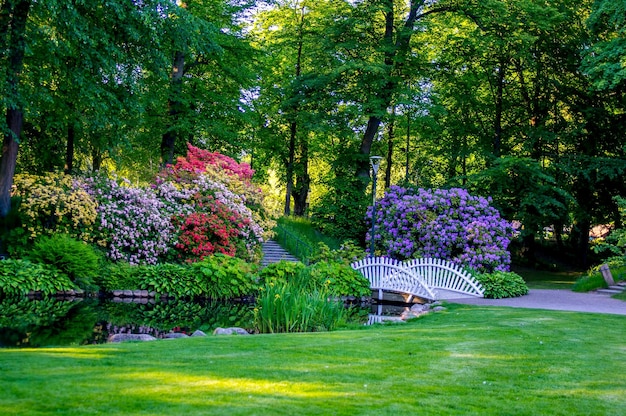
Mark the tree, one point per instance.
(13, 18)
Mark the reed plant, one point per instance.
(297, 305)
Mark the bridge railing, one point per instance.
(428, 278)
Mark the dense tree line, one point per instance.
(521, 100)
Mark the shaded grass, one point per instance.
(544, 279)
(466, 360)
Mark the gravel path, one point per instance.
(560, 300)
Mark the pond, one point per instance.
(50, 321)
(31, 323)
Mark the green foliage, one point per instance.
(44, 322)
(590, 282)
(594, 279)
(522, 190)
(338, 278)
(19, 277)
(118, 276)
(615, 242)
(76, 259)
(296, 307)
(224, 277)
(335, 277)
(340, 212)
(280, 273)
(499, 285)
(347, 253)
(215, 277)
(604, 61)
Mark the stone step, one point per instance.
(610, 291)
(617, 287)
(273, 253)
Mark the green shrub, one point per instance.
(77, 259)
(19, 277)
(590, 282)
(347, 253)
(224, 277)
(215, 277)
(499, 285)
(118, 276)
(339, 278)
(594, 279)
(280, 272)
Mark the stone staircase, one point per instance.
(273, 253)
(615, 289)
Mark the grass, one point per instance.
(302, 239)
(544, 279)
(466, 360)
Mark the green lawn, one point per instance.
(466, 360)
(543, 279)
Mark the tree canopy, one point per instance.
(452, 93)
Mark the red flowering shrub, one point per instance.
(213, 230)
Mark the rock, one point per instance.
(174, 335)
(230, 331)
(420, 307)
(128, 293)
(198, 333)
(130, 337)
(439, 309)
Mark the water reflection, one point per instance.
(53, 322)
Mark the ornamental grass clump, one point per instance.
(449, 224)
(297, 306)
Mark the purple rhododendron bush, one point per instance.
(449, 224)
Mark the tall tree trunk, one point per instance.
(299, 206)
(395, 54)
(13, 20)
(390, 139)
(303, 180)
(174, 104)
(69, 150)
(497, 128)
(293, 131)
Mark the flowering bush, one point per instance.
(134, 225)
(206, 233)
(197, 160)
(205, 190)
(54, 203)
(449, 224)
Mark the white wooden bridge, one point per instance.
(427, 278)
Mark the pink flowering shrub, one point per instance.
(448, 224)
(204, 187)
(133, 223)
(197, 161)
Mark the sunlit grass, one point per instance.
(466, 360)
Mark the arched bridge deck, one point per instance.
(427, 278)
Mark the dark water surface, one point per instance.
(31, 323)
(56, 322)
